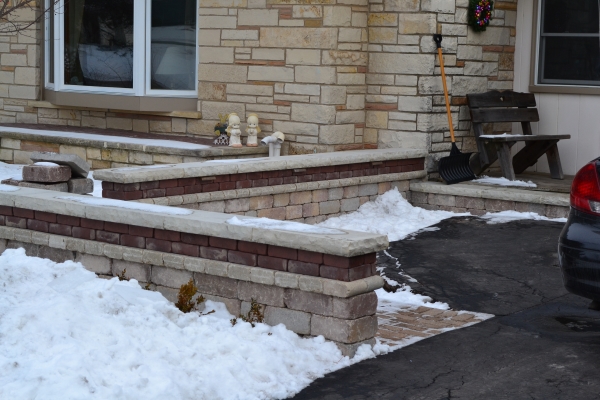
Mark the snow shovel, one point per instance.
(455, 168)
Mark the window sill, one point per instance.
(564, 89)
(124, 103)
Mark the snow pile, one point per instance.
(389, 215)
(488, 180)
(67, 334)
(404, 298)
(94, 201)
(11, 171)
(46, 164)
(8, 188)
(509, 216)
(267, 223)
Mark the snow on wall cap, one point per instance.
(225, 167)
(198, 222)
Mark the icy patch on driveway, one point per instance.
(389, 215)
(509, 216)
(67, 334)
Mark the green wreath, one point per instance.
(480, 14)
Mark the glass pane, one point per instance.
(572, 58)
(99, 43)
(173, 45)
(571, 16)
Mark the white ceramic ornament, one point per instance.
(233, 128)
(252, 130)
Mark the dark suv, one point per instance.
(579, 243)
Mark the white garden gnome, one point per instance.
(252, 130)
(234, 131)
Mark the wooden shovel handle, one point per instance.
(441, 56)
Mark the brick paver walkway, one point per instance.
(399, 326)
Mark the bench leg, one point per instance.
(505, 160)
(556, 171)
(529, 154)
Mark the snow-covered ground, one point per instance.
(389, 215)
(67, 334)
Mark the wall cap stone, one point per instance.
(118, 142)
(216, 167)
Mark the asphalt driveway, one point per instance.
(543, 343)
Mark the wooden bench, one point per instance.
(509, 106)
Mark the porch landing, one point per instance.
(550, 198)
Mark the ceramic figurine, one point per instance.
(221, 131)
(252, 130)
(234, 131)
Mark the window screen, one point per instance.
(570, 42)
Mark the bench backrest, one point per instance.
(506, 106)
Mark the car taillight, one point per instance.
(585, 191)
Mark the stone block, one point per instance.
(98, 264)
(310, 74)
(263, 294)
(417, 23)
(369, 189)
(170, 277)
(57, 187)
(442, 200)
(329, 207)
(46, 173)
(336, 134)
(337, 16)
(333, 95)
(344, 330)
(133, 270)
(499, 205)
(80, 185)
(78, 165)
(355, 307)
(470, 203)
(300, 197)
(296, 321)
(56, 255)
(349, 205)
(279, 74)
(398, 63)
(303, 57)
(314, 303)
(216, 285)
(313, 113)
(299, 38)
(234, 306)
(258, 17)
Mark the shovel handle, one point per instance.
(438, 42)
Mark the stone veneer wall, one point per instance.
(405, 103)
(331, 74)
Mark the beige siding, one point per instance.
(577, 115)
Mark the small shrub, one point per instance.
(122, 276)
(185, 297)
(255, 314)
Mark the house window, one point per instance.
(569, 43)
(127, 47)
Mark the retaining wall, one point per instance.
(307, 188)
(17, 144)
(315, 284)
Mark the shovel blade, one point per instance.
(455, 168)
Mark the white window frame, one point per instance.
(141, 57)
(539, 57)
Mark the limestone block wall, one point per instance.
(405, 104)
(300, 65)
